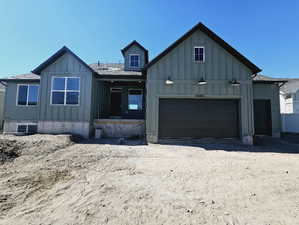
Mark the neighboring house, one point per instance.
(289, 106)
(289, 97)
(198, 87)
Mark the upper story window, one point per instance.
(199, 54)
(134, 60)
(27, 94)
(65, 91)
(135, 100)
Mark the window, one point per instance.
(134, 61)
(65, 91)
(29, 128)
(27, 94)
(199, 54)
(135, 100)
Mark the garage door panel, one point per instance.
(196, 118)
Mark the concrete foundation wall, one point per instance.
(10, 126)
(60, 127)
(120, 127)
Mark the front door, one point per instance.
(262, 117)
(115, 102)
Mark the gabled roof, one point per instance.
(22, 77)
(214, 37)
(139, 45)
(54, 57)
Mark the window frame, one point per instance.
(27, 125)
(135, 67)
(65, 91)
(136, 89)
(17, 96)
(204, 54)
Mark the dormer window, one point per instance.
(134, 61)
(199, 54)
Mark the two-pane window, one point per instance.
(27, 94)
(65, 91)
(199, 54)
(134, 61)
(135, 100)
(29, 128)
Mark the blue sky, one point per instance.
(266, 32)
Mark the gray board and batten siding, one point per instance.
(220, 67)
(54, 118)
(270, 92)
(66, 66)
(136, 49)
(12, 111)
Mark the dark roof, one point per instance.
(54, 57)
(214, 37)
(22, 77)
(266, 79)
(112, 69)
(103, 70)
(139, 45)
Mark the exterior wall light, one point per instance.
(202, 82)
(235, 83)
(169, 81)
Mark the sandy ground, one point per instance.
(57, 181)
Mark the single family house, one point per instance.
(199, 86)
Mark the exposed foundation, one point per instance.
(151, 138)
(10, 126)
(63, 127)
(120, 127)
(247, 140)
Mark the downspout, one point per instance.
(144, 71)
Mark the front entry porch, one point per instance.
(120, 108)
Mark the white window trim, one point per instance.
(204, 54)
(65, 91)
(17, 97)
(138, 61)
(26, 124)
(135, 89)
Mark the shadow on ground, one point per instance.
(286, 144)
(262, 144)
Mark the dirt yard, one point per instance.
(51, 180)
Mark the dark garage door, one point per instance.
(198, 118)
(262, 117)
